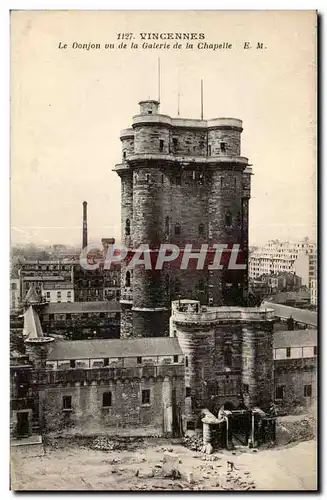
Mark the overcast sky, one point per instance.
(68, 107)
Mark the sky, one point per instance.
(69, 105)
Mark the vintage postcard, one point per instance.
(163, 284)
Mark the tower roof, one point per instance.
(32, 297)
(32, 326)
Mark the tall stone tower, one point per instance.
(183, 181)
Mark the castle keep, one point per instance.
(183, 181)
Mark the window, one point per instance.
(58, 295)
(167, 284)
(288, 352)
(139, 360)
(147, 178)
(280, 391)
(188, 392)
(186, 361)
(124, 154)
(51, 316)
(246, 388)
(67, 402)
(177, 286)
(190, 426)
(175, 359)
(149, 111)
(106, 399)
(201, 286)
(315, 350)
(209, 150)
(307, 391)
(106, 362)
(175, 142)
(167, 225)
(162, 178)
(72, 363)
(221, 182)
(178, 180)
(201, 229)
(128, 279)
(128, 227)
(68, 316)
(102, 316)
(223, 147)
(228, 356)
(235, 183)
(69, 294)
(161, 145)
(228, 219)
(177, 229)
(146, 397)
(48, 295)
(13, 286)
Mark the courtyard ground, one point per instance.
(292, 467)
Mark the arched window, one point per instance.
(128, 227)
(228, 356)
(147, 177)
(228, 219)
(128, 279)
(167, 225)
(177, 229)
(201, 286)
(201, 229)
(167, 284)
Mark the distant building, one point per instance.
(300, 299)
(58, 292)
(278, 256)
(97, 285)
(314, 292)
(81, 320)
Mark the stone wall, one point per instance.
(126, 411)
(294, 374)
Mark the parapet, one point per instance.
(190, 311)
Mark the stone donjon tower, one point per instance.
(182, 181)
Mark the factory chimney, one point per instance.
(84, 244)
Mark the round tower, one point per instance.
(197, 342)
(225, 194)
(257, 364)
(182, 183)
(38, 350)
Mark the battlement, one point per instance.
(190, 311)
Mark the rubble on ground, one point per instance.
(194, 443)
(297, 430)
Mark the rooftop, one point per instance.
(117, 348)
(295, 338)
(299, 315)
(190, 311)
(32, 326)
(81, 307)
